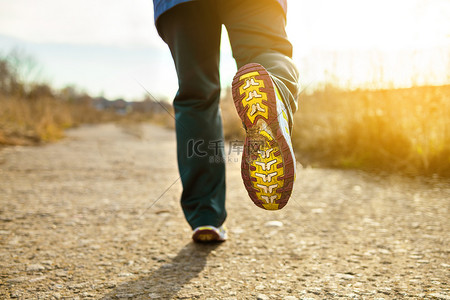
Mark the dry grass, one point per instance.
(401, 130)
(398, 130)
(405, 130)
(31, 121)
(232, 125)
(44, 119)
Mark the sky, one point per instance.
(111, 48)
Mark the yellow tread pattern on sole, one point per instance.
(266, 172)
(253, 98)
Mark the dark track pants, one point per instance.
(192, 31)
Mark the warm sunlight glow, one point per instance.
(352, 43)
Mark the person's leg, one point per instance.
(257, 35)
(192, 32)
(265, 91)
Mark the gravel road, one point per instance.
(96, 216)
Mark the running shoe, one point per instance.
(209, 234)
(268, 161)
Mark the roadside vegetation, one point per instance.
(395, 130)
(32, 112)
(401, 130)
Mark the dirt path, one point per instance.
(97, 216)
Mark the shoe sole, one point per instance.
(207, 236)
(268, 164)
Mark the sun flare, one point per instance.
(380, 44)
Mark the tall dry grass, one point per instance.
(30, 121)
(397, 130)
(32, 111)
(406, 130)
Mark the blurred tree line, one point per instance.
(32, 111)
(20, 77)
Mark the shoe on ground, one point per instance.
(209, 234)
(268, 161)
